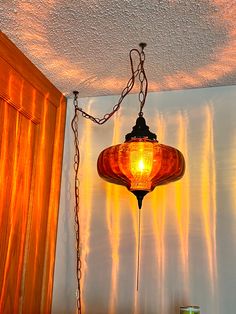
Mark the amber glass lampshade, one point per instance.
(141, 163)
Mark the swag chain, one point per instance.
(74, 126)
(138, 72)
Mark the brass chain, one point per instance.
(140, 72)
(74, 126)
(143, 83)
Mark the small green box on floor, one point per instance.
(190, 310)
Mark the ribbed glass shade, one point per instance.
(140, 164)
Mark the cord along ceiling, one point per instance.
(84, 44)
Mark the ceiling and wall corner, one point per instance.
(84, 44)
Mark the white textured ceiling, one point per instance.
(84, 44)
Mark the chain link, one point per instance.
(140, 73)
(74, 126)
(143, 83)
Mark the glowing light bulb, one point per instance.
(141, 162)
(141, 165)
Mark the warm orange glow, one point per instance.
(113, 219)
(134, 213)
(208, 196)
(86, 199)
(141, 162)
(182, 205)
(18, 137)
(158, 218)
(178, 254)
(140, 159)
(115, 245)
(37, 45)
(31, 141)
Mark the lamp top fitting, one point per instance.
(142, 45)
(75, 92)
(140, 130)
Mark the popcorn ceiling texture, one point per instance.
(84, 44)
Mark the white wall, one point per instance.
(188, 249)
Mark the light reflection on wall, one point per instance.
(182, 202)
(114, 225)
(158, 212)
(54, 59)
(133, 206)
(188, 251)
(208, 194)
(159, 209)
(86, 198)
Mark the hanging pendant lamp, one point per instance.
(141, 163)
